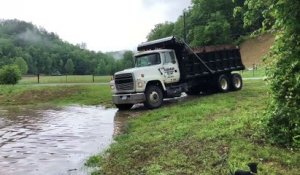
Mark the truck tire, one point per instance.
(154, 97)
(236, 82)
(123, 107)
(223, 83)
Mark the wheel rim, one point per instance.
(237, 82)
(154, 97)
(224, 84)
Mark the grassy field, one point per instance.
(212, 134)
(105, 79)
(55, 95)
(65, 79)
(261, 72)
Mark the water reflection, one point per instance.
(52, 141)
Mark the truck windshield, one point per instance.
(147, 60)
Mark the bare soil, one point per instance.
(253, 50)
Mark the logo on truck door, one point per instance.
(169, 72)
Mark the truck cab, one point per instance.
(147, 81)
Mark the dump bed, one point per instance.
(200, 61)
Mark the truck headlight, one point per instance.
(112, 87)
(140, 84)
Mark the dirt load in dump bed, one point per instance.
(253, 50)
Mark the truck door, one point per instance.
(170, 67)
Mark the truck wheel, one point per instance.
(123, 107)
(154, 97)
(223, 83)
(236, 82)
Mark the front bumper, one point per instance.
(128, 98)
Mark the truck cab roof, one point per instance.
(151, 51)
(164, 43)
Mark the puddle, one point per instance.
(58, 141)
(53, 141)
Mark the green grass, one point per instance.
(261, 72)
(212, 134)
(27, 92)
(55, 95)
(65, 79)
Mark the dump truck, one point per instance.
(167, 67)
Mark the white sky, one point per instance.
(104, 25)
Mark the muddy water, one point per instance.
(53, 141)
(58, 141)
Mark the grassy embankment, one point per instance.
(25, 93)
(207, 135)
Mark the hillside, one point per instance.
(253, 50)
(45, 53)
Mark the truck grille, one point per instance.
(124, 82)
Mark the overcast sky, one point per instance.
(104, 25)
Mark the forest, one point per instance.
(212, 22)
(37, 51)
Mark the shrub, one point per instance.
(10, 74)
(284, 73)
(284, 111)
(283, 66)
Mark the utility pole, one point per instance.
(184, 26)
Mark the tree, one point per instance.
(255, 15)
(128, 60)
(21, 63)
(208, 22)
(283, 113)
(161, 30)
(10, 74)
(69, 67)
(215, 31)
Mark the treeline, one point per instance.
(211, 22)
(37, 51)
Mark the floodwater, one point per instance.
(58, 141)
(53, 141)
